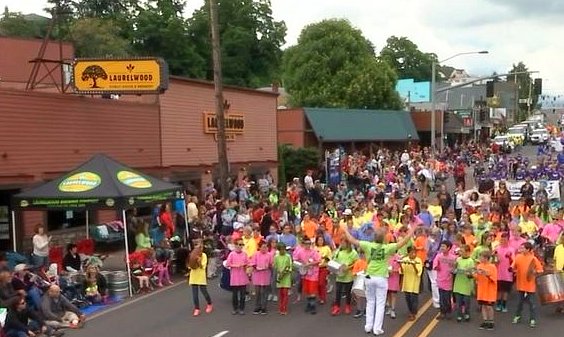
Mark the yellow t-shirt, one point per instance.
(411, 275)
(528, 227)
(475, 219)
(559, 257)
(367, 217)
(250, 246)
(435, 211)
(325, 253)
(198, 276)
(358, 222)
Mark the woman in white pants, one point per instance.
(376, 283)
(433, 245)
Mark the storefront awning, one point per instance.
(349, 125)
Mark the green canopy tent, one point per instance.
(99, 183)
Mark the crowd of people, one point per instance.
(379, 232)
(389, 226)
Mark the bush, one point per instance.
(295, 162)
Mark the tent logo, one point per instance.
(80, 182)
(132, 179)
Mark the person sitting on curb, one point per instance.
(59, 312)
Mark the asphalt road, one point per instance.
(168, 313)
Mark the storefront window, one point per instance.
(65, 219)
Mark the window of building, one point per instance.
(57, 220)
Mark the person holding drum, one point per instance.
(526, 267)
(346, 256)
(377, 254)
(558, 259)
(310, 259)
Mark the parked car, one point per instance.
(505, 143)
(539, 136)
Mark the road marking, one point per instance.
(123, 305)
(429, 328)
(406, 326)
(223, 333)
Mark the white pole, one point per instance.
(127, 253)
(433, 107)
(87, 226)
(14, 242)
(187, 234)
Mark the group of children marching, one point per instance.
(465, 273)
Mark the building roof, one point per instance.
(346, 125)
(225, 86)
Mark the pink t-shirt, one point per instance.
(262, 263)
(394, 273)
(444, 265)
(551, 232)
(237, 263)
(516, 241)
(309, 256)
(505, 255)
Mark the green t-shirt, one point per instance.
(377, 255)
(403, 250)
(283, 267)
(477, 251)
(346, 258)
(463, 284)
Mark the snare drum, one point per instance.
(551, 287)
(358, 286)
(335, 267)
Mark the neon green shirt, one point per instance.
(463, 284)
(346, 258)
(377, 255)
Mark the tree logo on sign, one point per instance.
(94, 72)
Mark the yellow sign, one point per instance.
(80, 182)
(234, 124)
(132, 179)
(117, 76)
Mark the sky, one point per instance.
(510, 30)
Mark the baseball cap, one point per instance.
(20, 267)
(347, 211)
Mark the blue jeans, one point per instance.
(40, 261)
(32, 326)
(462, 301)
(34, 297)
(530, 299)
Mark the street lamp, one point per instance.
(433, 90)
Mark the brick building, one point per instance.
(171, 136)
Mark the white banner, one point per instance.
(514, 187)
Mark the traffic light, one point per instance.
(538, 86)
(482, 115)
(446, 117)
(490, 89)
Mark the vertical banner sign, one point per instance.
(334, 168)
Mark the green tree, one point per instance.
(333, 65)
(524, 82)
(161, 30)
(294, 162)
(94, 37)
(16, 24)
(250, 41)
(407, 60)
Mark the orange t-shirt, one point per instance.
(328, 222)
(309, 227)
(359, 266)
(521, 264)
(337, 235)
(486, 285)
(420, 245)
(470, 241)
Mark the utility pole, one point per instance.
(222, 162)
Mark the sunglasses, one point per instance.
(241, 245)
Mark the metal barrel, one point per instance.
(550, 287)
(118, 284)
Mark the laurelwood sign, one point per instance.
(120, 76)
(234, 124)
